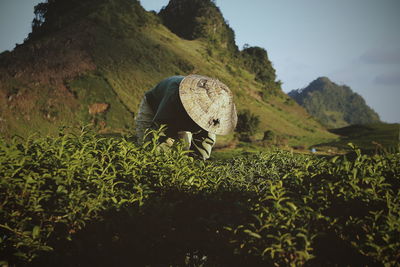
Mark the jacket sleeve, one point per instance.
(202, 143)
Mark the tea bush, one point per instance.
(80, 199)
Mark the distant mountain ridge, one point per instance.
(334, 105)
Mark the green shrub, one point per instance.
(247, 125)
(269, 136)
(95, 201)
(256, 60)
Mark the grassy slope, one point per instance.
(286, 119)
(379, 136)
(128, 61)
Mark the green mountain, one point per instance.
(334, 105)
(199, 19)
(91, 61)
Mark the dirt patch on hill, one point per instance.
(33, 77)
(51, 60)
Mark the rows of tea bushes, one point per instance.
(84, 200)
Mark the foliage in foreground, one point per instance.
(80, 200)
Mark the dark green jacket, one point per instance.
(168, 109)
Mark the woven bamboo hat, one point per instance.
(209, 103)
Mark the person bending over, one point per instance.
(194, 108)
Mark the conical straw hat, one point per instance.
(209, 103)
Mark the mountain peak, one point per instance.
(321, 83)
(55, 15)
(323, 79)
(194, 19)
(334, 105)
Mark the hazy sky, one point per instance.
(353, 42)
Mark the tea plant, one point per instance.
(81, 199)
(314, 198)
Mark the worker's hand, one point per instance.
(186, 139)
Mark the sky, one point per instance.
(352, 42)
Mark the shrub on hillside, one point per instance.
(247, 125)
(269, 137)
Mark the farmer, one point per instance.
(194, 108)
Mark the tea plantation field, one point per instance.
(84, 200)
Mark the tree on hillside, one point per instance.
(255, 59)
(40, 11)
(194, 19)
(53, 15)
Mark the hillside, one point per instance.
(91, 62)
(372, 138)
(334, 105)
